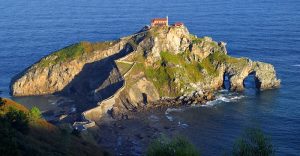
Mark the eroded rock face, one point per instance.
(42, 79)
(143, 91)
(152, 64)
(174, 40)
(265, 75)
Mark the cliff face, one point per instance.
(62, 70)
(141, 68)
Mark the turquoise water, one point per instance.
(261, 30)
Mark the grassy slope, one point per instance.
(123, 67)
(72, 52)
(46, 139)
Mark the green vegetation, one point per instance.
(35, 113)
(170, 68)
(123, 67)
(253, 143)
(197, 40)
(73, 52)
(176, 147)
(173, 72)
(8, 141)
(20, 135)
(207, 65)
(18, 120)
(210, 63)
(222, 57)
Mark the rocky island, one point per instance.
(157, 65)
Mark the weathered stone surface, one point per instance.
(39, 80)
(265, 75)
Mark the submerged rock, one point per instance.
(154, 67)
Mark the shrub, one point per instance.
(2, 102)
(8, 141)
(35, 113)
(253, 143)
(18, 120)
(176, 147)
(76, 133)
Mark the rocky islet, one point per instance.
(157, 67)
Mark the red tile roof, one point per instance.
(159, 19)
(178, 24)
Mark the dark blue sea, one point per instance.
(263, 30)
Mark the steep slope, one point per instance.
(56, 72)
(23, 135)
(140, 69)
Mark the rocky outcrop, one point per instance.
(142, 70)
(156, 40)
(264, 74)
(46, 77)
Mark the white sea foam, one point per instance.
(182, 125)
(170, 118)
(227, 97)
(223, 98)
(153, 118)
(211, 103)
(53, 103)
(237, 97)
(296, 65)
(169, 110)
(223, 90)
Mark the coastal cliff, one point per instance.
(140, 69)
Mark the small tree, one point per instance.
(176, 147)
(253, 143)
(18, 120)
(2, 102)
(35, 113)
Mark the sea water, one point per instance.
(266, 31)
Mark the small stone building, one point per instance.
(160, 22)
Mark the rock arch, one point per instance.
(253, 78)
(264, 75)
(226, 81)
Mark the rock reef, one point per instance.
(140, 69)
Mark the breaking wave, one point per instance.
(296, 65)
(223, 98)
(182, 125)
(169, 110)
